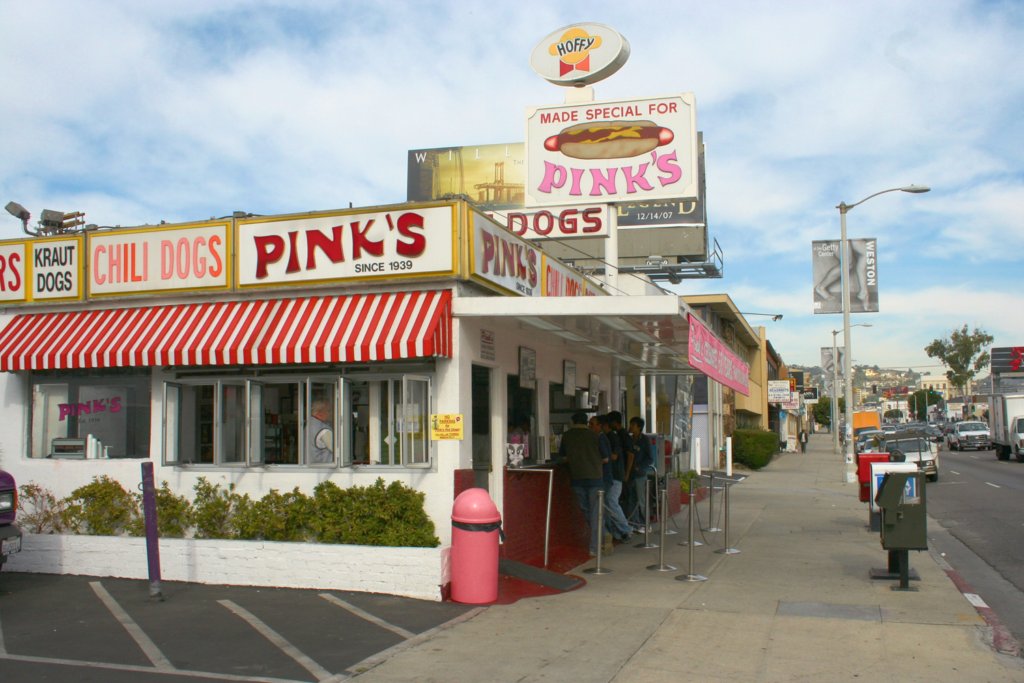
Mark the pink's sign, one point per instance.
(711, 357)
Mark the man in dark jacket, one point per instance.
(581, 449)
(615, 473)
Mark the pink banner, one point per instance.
(711, 357)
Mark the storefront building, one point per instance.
(284, 351)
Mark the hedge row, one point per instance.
(753, 447)
(380, 515)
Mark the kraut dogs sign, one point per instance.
(615, 151)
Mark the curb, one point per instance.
(1002, 641)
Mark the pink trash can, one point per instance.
(476, 533)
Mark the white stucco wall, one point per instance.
(411, 572)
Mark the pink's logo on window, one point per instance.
(89, 407)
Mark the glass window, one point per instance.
(312, 421)
(232, 426)
(105, 411)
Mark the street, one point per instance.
(978, 500)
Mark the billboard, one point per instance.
(826, 364)
(671, 211)
(630, 150)
(1008, 360)
(863, 276)
(811, 396)
(493, 176)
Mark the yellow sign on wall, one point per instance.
(444, 427)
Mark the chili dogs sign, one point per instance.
(346, 246)
(192, 257)
(616, 151)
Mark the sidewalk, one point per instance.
(795, 605)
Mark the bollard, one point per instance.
(600, 538)
(666, 530)
(726, 550)
(152, 540)
(647, 545)
(711, 506)
(689, 575)
(661, 566)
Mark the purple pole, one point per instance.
(152, 542)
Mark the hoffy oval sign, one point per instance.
(579, 54)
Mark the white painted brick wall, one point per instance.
(410, 572)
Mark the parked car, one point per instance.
(10, 534)
(917, 447)
(865, 440)
(970, 435)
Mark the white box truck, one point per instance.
(1006, 415)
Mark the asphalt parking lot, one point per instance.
(79, 628)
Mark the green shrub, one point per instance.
(754, 447)
(174, 514)
(372, 515)
(689, 481)
(101, 508)
(214, 506)
(275, 517)
(39, 511)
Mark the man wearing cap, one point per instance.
(581, 449)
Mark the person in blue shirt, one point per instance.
(643, 460)
(615, 524)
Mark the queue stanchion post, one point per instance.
(668, 531)
(691, 509)
(689, 576)
(647, 544)
(661, 566)
(598, 569)
(726, 549)
(711, 528)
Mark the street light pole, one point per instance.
(844, 264)
(835, 394)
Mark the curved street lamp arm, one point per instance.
(844, 207)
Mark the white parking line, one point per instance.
(148, 669)
(138, 635)
(993, 485)
(366, 615)
(320, 673)
(956, 473)
(2, 650)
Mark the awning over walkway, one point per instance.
(652, 334)
(336, 329)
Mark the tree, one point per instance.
(823, 410)
(962, 353)
(919, 401)
(893, 415)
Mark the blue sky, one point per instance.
(137, 112)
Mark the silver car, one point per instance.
(916, 447)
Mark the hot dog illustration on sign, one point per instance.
(610, 140)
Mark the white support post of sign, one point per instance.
(696, 455)
(652, 424)
(728, 456)
(643, 397)
(611, 252)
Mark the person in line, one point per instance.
(615, 524)
(626, 444)
(321, 431)
(803, 440)
(581, 450)
(643, 460)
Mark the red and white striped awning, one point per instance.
(336, 329)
